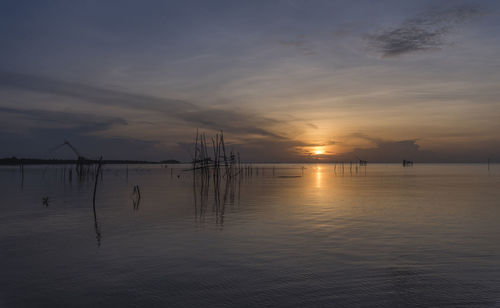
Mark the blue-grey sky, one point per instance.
(286, 80)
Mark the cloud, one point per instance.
(42, 130)
(88, 93)
(231, 120)
(299, 43)
(293, 43)
(425, 31)
(270, 150)
(392, 151)
(59, 119)
(168, 120)
(40, 143)
(312, 125)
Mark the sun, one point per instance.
(318, 151)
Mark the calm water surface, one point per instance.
(383, 236)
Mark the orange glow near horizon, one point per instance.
(318, 151)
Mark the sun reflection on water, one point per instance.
(319, 175)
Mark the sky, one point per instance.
(286, 81)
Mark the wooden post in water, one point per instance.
(99, 164)
(21, 167)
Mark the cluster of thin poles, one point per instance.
(212, 157)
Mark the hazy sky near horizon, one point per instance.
(382, 80)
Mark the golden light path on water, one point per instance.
(314, 227)
(319, 174)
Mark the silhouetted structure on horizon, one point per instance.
(407, 163)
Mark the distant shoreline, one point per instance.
(13, 161)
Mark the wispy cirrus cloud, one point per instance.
(233, 120)
(299, 43)
(426, 31)
(61, 119)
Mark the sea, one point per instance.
(266, 235)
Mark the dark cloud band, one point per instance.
(426, 31)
